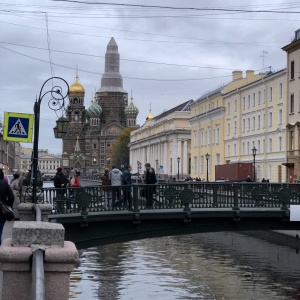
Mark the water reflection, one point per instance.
(201, 266)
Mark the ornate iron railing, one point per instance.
(167, 196)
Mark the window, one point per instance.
(218, 135)
(243, 125)
(195, 165)
(202, 164)
(270, 145)
(235, 126)
(253, 99)
(270, 119)
(280, 116)
(217, 159)
(292, 70)
(258, 122)
(292, 104)
(258, 146)
(291, 147)
(234, 149)
(259, 98)
(235, 105)
(228, 127)
(243, 148)
(228, 108)
(280, 90)
(228, 150)
(208, 136)
(271, 94)
(248, 101)
(202, 138)
(195, 139)
(244, 103)
(280, 143)
(248, 124)
(264, 120)
(264, 97)
(253, 124)
(263, 146)
(248, 147)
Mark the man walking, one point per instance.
(126, 181)
(115, 176)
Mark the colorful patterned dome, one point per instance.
(94, 110)
(131, 109)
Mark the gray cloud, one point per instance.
(227, 41)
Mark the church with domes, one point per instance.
(92, 130)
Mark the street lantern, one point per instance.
(56, 103)
(178, 161)
(207, 156)
(254, 150)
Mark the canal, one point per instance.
(201, 266)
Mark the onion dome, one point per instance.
(76, 87)
(94, 110)
(131, 110)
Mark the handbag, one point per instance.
(6, 212)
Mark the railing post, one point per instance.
(215, 194)
(136, 215)
(236, 209)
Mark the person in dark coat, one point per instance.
(60, 181)
(106, 182)
(150, 179)
(126, 181)
(7, 197)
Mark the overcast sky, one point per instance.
(168, 55)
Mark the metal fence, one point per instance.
(168, 196)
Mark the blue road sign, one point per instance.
(18, 127)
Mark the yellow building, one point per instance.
(164, 142)
(293, 108)
(254, 118)
(208, 126)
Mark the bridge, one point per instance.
(178, 208)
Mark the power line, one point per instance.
(179, 8)
(127, 77)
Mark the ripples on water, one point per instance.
(212, 266)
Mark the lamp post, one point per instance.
(56, 103)
(254, 150)
(178, 161)
(207, 156)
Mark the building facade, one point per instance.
(292, 112)
(164, 142)
(92, 131)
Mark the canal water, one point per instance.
(213, 266)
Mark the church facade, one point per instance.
(91, 132)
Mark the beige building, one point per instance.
(48, 163)
(254, 118)
(212, 118)
(164, 142)
(293, 108)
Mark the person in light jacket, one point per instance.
(115, 176)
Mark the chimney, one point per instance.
(250, 75)
(237, 75)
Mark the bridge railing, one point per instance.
(170, 196)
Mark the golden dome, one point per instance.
(76, 87)
(149, 116)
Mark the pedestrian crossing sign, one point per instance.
(18, 127)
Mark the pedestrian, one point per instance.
(249, 179)
(6, 196)
(106, 182)
(73, 181)
(263, 180)
(126, 181)
(150, 179)
(16, 186)
(115, 175)
(60, 182)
